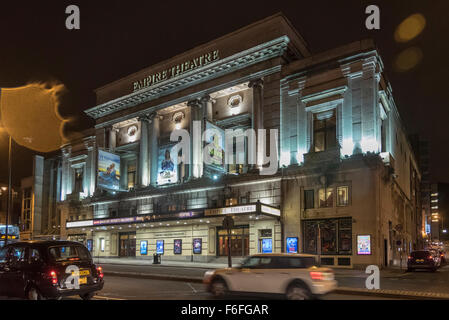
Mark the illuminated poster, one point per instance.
(292, 245)
(108, 170)
(167, 165)
(267, 245)
(197, 246)
(177, 246)
(89, 245)
(215, 144)
(143, 248)
(364, 245)
(160, 246)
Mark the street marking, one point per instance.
(193, 289)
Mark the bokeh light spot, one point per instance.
(408, 59)
(30, 115)
(410, 28)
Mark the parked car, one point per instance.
(40, 270)
(422, 259)
(295, 276)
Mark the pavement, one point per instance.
(394, 283)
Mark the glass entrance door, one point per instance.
(127, 244)
(239, 242)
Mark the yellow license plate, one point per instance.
(83, 280)
(84, 272)
(420, 260)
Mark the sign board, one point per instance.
(364, 245)
(177, 246)
(270, 210)
(215, 144)
(160, 246)
(267, 245)
(197, 246)
(144, 247)
(230, 210)
(292, 245)
(108, 170)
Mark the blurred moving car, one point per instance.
(442, 256)
(422, 259)
(437, 256)
(296, 276)
(40, 270)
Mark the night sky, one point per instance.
(121, 37)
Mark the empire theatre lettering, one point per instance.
(176, 70)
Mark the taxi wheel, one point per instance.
(87, 296)
(218, 288)
(34, 294)
(298, 292)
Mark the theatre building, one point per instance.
(346, 183)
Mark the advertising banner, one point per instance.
(267, 245)
(160, 246)
(215, 144)
(197, 246)
(177, 246)
(167, 164)
(108, 170)
(363, 245)
(292, 245)
(89, 245)
(144, 247)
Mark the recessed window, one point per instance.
(309, 199)
(324, 130)
(132, 169)
(343, 196)
(326, 197)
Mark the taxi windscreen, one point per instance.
(69, 253)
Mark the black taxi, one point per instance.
(39, 270)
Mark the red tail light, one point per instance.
(430, 257)
(410, 257)
(54, 277)
(100, 272)
(316, 275)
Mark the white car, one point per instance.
(296, 276)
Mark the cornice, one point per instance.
(213, 70)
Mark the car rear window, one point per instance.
(294, 262)
(420, 254)
(69, 253)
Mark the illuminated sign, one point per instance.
(143, 248)
(177, 246)
(267, 245)
(215, 144)
(160, 246)
(176, 70)
(292, 245)
(197, 246)
(78, 224)
(270, 210)
(363, 245)
(117, 221)
(230, 210)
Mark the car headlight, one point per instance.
(208, 274)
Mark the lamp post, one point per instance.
(8, 201)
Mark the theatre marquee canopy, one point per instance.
(253, 208)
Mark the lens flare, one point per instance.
(30, 115)
(410, 28)
(408, 59)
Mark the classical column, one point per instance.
(112, 139)
(207, 103)
(257, 116)
(153, 146)
(66, 178)
(91, 171)
(196, 130)
(143, 152)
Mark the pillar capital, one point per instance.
(195, 103)
(144, 117)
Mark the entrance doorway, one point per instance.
(127, 244)
(239, 241)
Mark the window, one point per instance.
(345, 236)
(326, 198)
(102, 244)
(324, 130)
(69, 253)
(239, 155)
(335, 236)
(34, 256)
(343, 196)
(79, 180)
(231, 202)
(309, 202)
